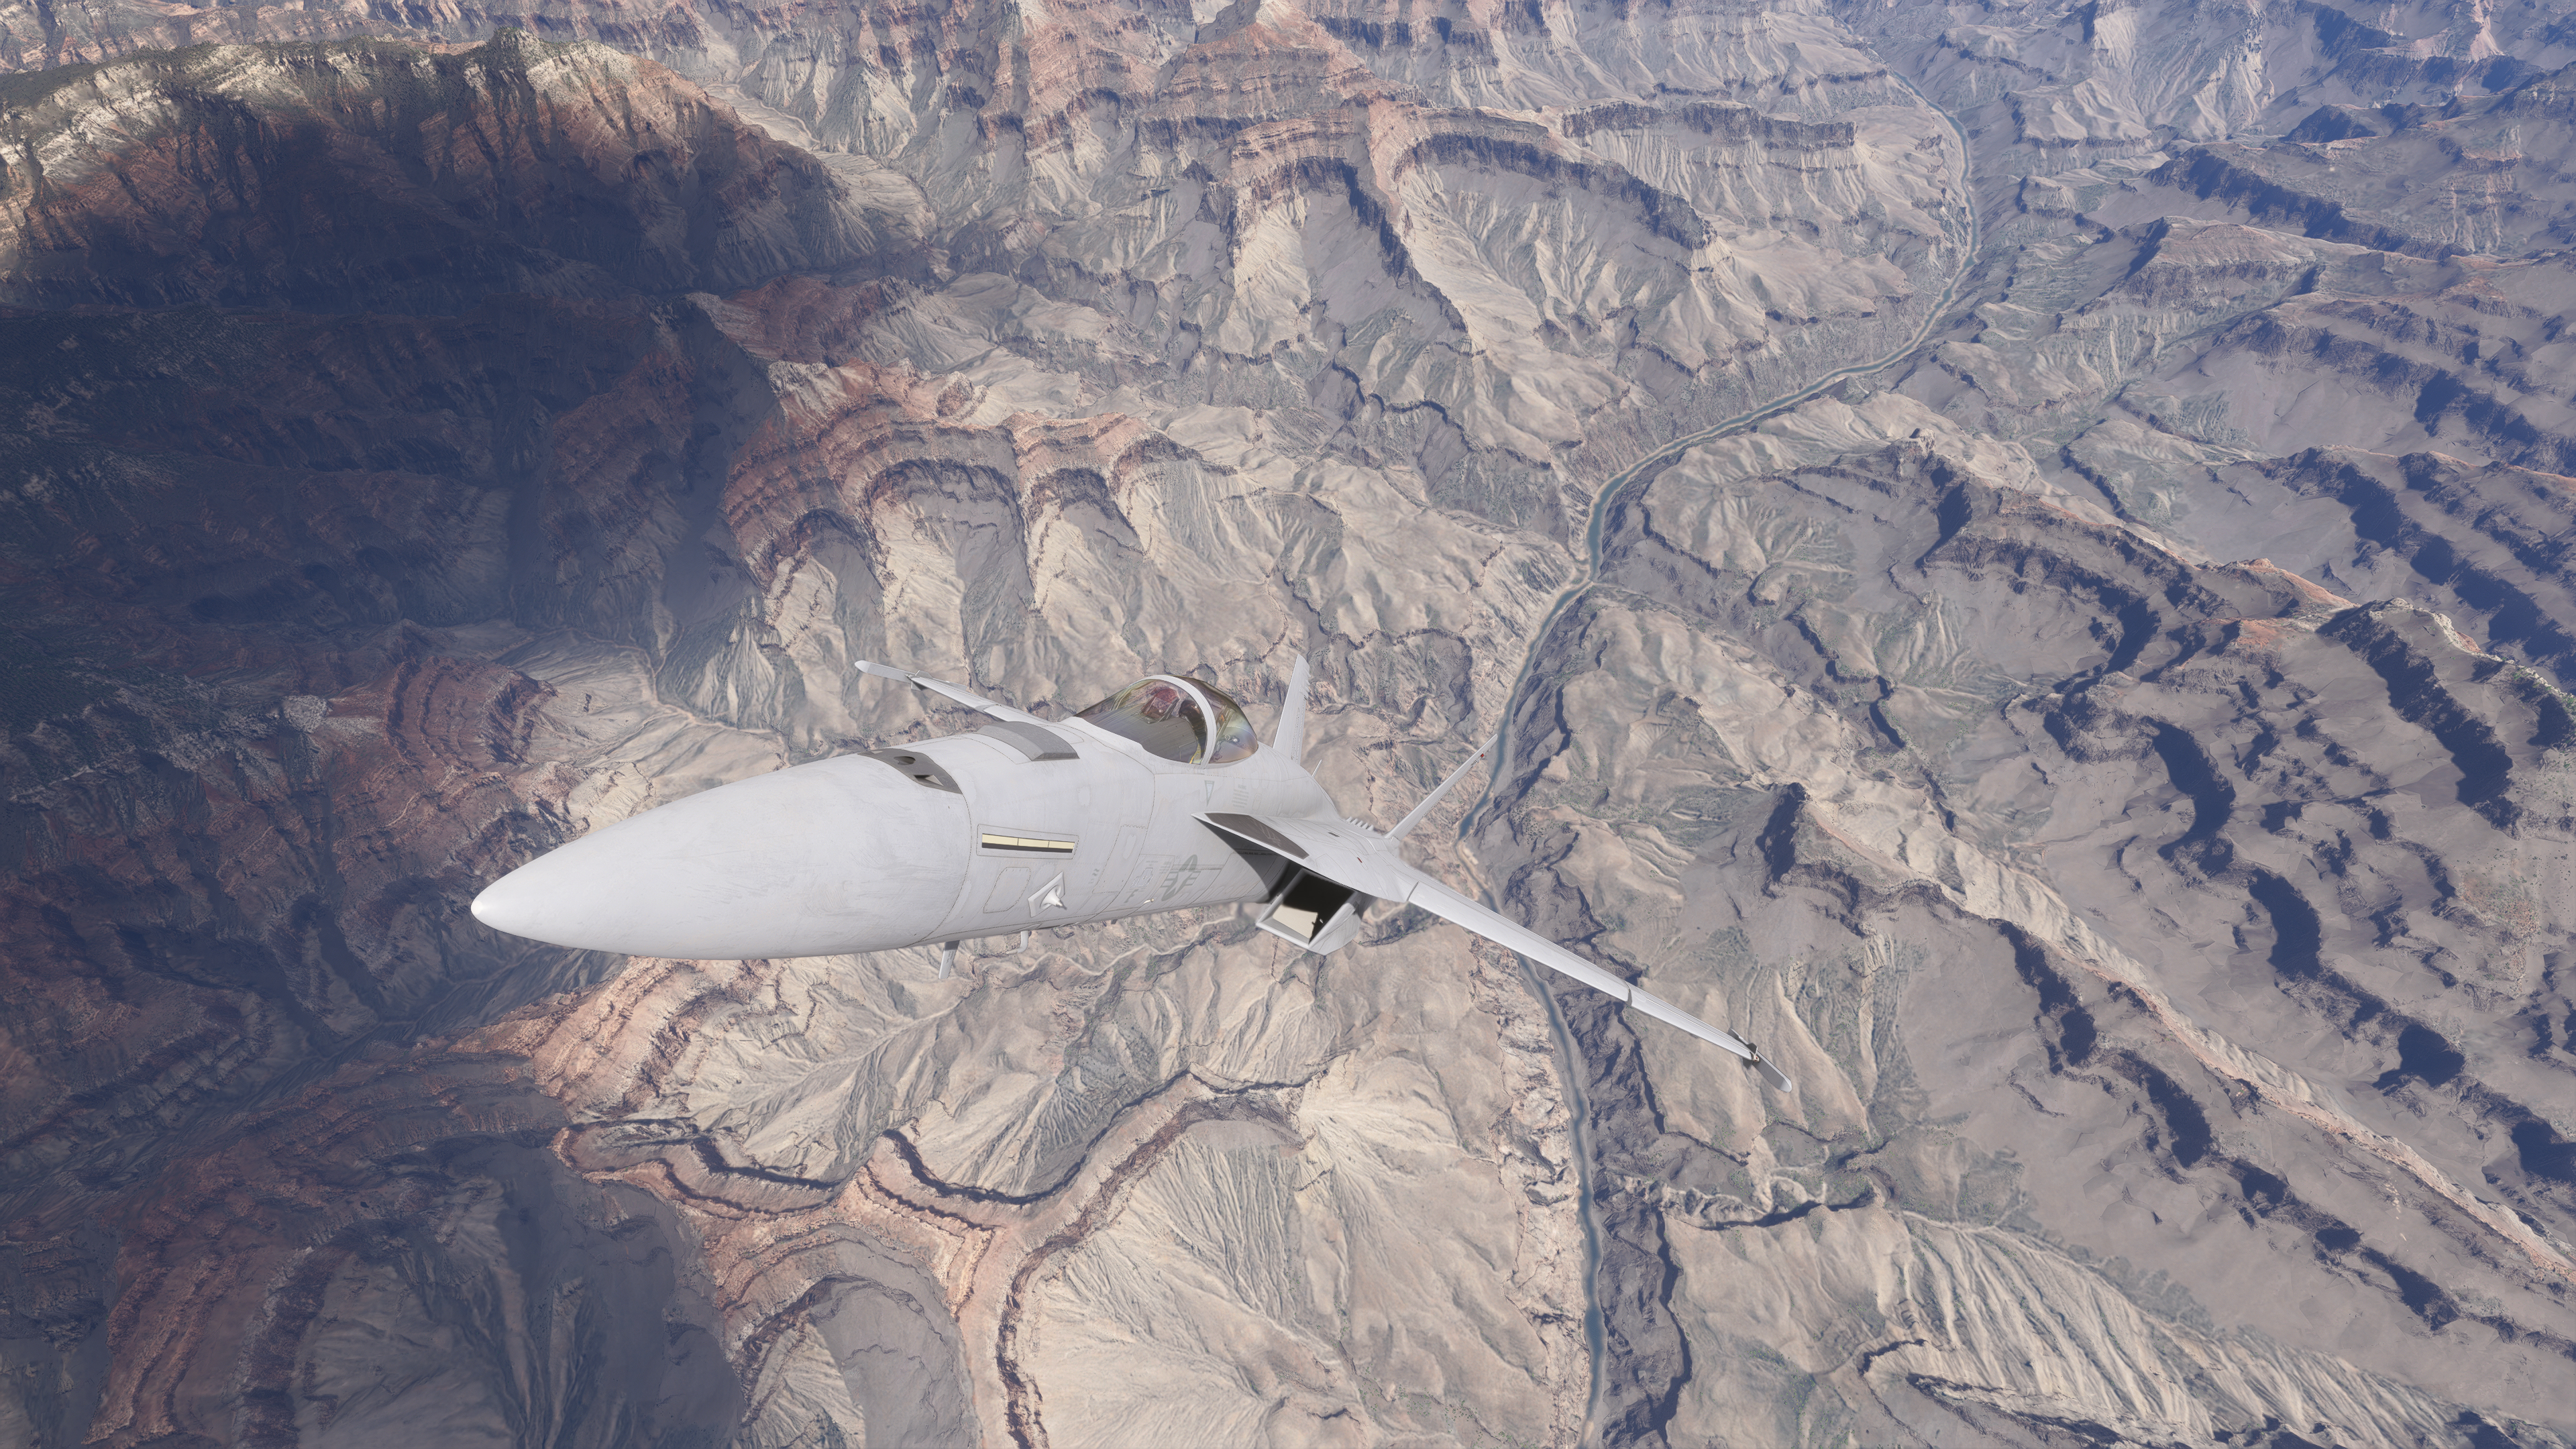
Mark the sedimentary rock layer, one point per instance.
(2018, 550)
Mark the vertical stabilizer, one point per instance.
(1290, 739)
(1405, 826)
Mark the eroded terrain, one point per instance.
(2018, 551)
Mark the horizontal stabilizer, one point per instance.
(1405, 826)
(946, 690)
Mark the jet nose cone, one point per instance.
(515, 903)
(838, 856)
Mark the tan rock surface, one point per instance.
(2077, 677)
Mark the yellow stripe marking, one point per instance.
(993, 841)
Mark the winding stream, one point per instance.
(1569, 1053)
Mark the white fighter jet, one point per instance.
(1155, 799)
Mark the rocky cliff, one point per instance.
(2017, 548)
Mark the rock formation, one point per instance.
(2018, 550)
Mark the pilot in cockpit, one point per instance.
(1169, 715)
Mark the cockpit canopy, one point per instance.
(1179, 718)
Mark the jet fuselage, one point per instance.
(1157, 798)
(1003, 828)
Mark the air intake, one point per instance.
(919, 768)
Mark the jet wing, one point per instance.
(942, 687)
(1337, 850)
(1367, 862)
(1449, 905)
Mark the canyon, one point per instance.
(2018, 552)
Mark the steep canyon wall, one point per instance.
(2018, 550)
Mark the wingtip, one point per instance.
(1772, 1077)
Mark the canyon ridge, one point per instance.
(2020, 554)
